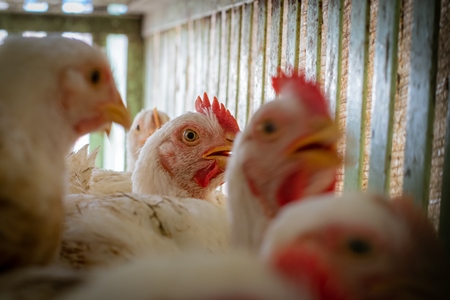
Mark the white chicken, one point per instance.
(358, 246)
(172, 165)
(185, 159)
(52, 91)
(144, 125)
(288, 151)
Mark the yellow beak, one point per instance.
(116, 112)
(220, 154)
(319, 150)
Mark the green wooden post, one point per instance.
(444, 217)
(135, 74)
(356, 95)
(383, 94)
(422, 92)
(96, 139)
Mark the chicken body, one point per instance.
(287, 152)
(191, 276)
(144, 125)
(104, 231)
(52, 91)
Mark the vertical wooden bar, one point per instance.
(182, 72)
(97, 139)
(224, 56)
(199, 59)
(260, 63)
(356, 95)
(156, 90)
(163, 58)
(444, 215)
(233, 73)
(245, 65)
(149, 67)
(276, 33)
(420, 111)
(135, 74)
(334, 55)
(190, 76)
(383, 94)
(214, 54)
(313, 38)
(206, 28)
(293, 35)
(171, 61)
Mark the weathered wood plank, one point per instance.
(233, 73)
(334, 55)
(190, 78)
(260, 62)
(206, 27)
(199, 58)
(182, 72)
(149, 70)
(444, 216)
(293, 35)
(163, 59)
(420, 111)
(383, 94)
(224, 56)
(97, 139)
(245, 65)
(18, 22)
(356, 95)
(214, 54)
(171, 60)
(313, 39)
(135, 75)
(276, 34)
(156, 90)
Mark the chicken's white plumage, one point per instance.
(116, 228)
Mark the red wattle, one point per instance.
(305, 269)
(292, 188)
(204, 176)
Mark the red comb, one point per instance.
(226, 120)
(308, 93)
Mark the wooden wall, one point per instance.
(383, 65)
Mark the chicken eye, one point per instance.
(190, 135)
(138, 128)
(95, 76)
(269, 127)
(359, 247)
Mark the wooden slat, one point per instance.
(224, 56)
(383, 94)
(245, 65)
(156, 94)
(214, 54)
(293, 34)
(190, 76)
(149, 69)
(18, 22)
(171, 61)
(135, 75)
(233, 73)
(206, 28)
(420, 111)
(198, 60)
(334, 55)
(163, 59)
(356, 95)
(313, 38)
(260, 62)
(444, 216)
(276, 33)
(181, 73)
